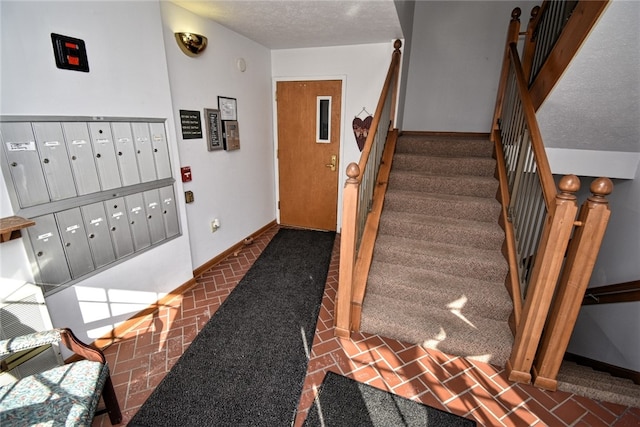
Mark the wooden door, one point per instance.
(308, 152)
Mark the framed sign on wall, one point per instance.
(214, 129)
(231, 135)
(228, 108)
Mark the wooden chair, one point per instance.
(66, 395)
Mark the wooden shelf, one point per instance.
(10, 227)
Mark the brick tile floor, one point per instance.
(476, 390)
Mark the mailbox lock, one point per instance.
(68, 244)
(40, 253)
(149, 217)
(113, 229)
(155, 150)
(91, 236)
(45, 161)
(98, 155)
(14, 164)
(119, 153)
(73, 157)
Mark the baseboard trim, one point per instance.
(597, 365)
(216, 260)
(133, 322)
(446, 134)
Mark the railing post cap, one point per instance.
(568, 184)
(397, 44)
(353, 170)
(515, 14)
(600, 188)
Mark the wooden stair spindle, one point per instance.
(581, 258)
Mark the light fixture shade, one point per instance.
(191, 44)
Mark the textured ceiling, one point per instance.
(279, 24)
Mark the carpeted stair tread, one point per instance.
(451, 259)
(480, 166)
(438, 289)
(461, 232)
(478, 186)
(444, 146)
(450, 331)
(448, 205)
(584, 381)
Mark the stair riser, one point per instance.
(472, 210)
(471, 237)
(453, 148)
(444, 165)
(444, 185)
(477, 338)
(480, 269)
(404, 290)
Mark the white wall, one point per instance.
(609, 332)
(127, 78)
(456, 56)
(237, 187)
(363, 68)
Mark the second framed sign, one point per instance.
(214, 129)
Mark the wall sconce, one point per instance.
(191, 44)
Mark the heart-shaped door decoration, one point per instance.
(361, 130)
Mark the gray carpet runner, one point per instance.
(437, 277)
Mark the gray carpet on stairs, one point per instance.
(437, 277)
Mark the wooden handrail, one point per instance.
(610, 294)
(393, 67)
(512, 37)
(542, 163)
(355, 229)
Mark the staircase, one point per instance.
(437, 276)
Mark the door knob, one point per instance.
(332, 165)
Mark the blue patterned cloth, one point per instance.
(63, 396)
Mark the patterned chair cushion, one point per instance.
(63, 396)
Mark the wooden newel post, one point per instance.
(581, 258)
(544, 277)
(347, 252)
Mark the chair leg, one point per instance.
(111, 402)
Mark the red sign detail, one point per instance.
(185, 171)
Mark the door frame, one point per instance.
(342, 167)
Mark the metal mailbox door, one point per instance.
(169, 211)
(55, 160)
(154, 216)
(103, 147)
(48, 253)
(119, 227)
(144, 151)
(136, 214)
(126, 153)
(81, 154)
(21, 155)
(74, 239)
(95, 221)
(160, 150)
